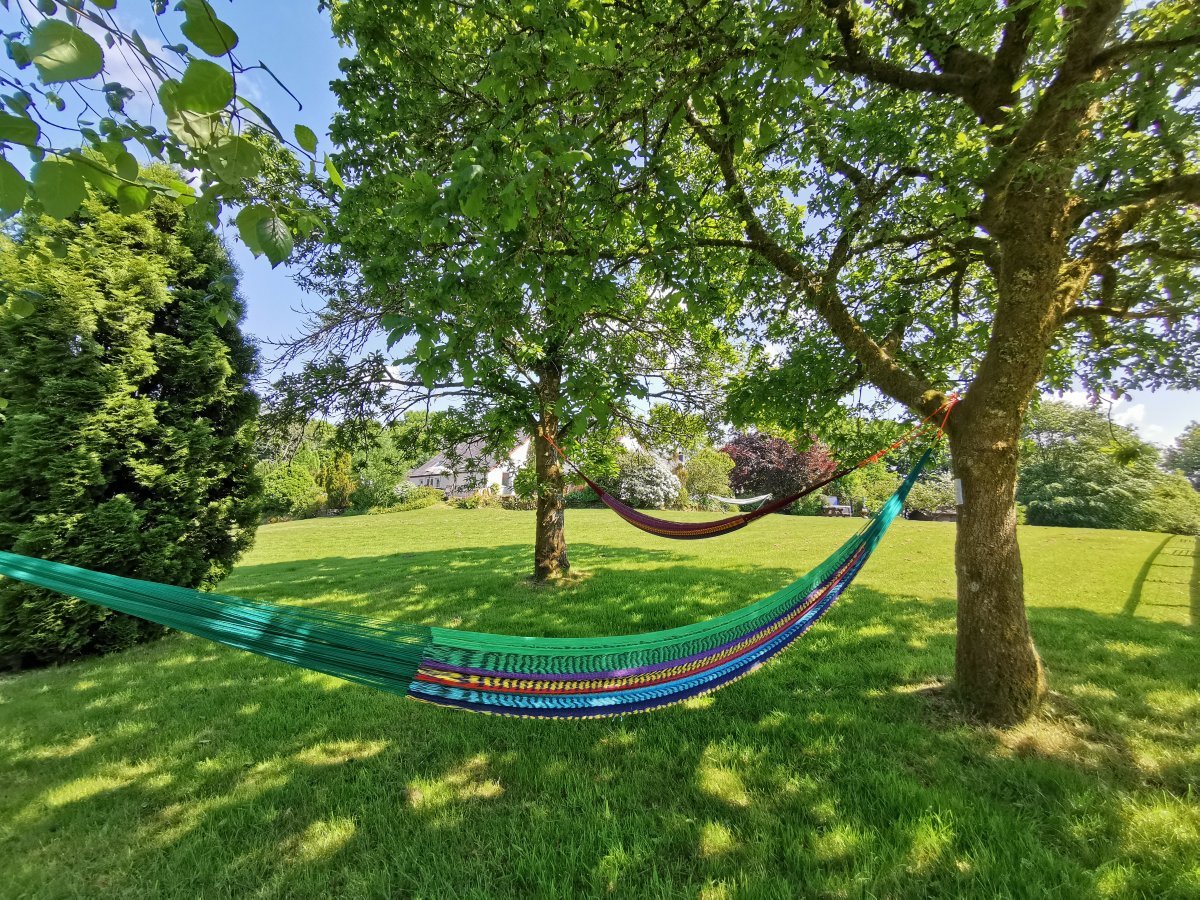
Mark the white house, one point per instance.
(468, 469)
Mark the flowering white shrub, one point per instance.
(645, 482)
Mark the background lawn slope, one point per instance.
(184, 769)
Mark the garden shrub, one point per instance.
(932, 493)
(290, 491)
(482, 499)
(812, 505)
(515, 502)
(645, 482)
(582, 498)
(708, 474)
(421, 497)
(380, 488)
(1175, 506)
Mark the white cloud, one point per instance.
(1156, 434)
(1122, 412)
(1075, 398)
(1133, 415)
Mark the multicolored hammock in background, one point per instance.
(684, 531)
(532, 677)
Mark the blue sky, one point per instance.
(294, 39)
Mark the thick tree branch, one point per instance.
(1156, 249)
(1116, 54)
(1116, 312)
(856, 61)
(1090, 28)
(1177, 187)
(819, 293)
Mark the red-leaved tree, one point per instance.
(770, 465)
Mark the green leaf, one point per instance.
(275, 239)
(334, 175)
(21, 308)
(235, 159)
(247, 224)
(12, 190)
(571, 158)
(132, 198)
(472, 204)
(306, 138)
(126, 165)
(205, 30)
(262, 117)
(19, 130)
(105, 4)
(192, 128)
(205, 87)
(59, 187)
(3, 403)
(98, 176)
(63, 52)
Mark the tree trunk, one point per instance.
(997, 670)
(550, 541)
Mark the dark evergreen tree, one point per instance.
(128, 444)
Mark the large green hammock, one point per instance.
(514, 676)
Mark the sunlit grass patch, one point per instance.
(179, 769)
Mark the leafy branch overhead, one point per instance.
(178, 103)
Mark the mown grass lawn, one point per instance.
(183, 769)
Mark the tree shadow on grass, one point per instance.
(487, 589)
(1174, 559)
(1139, 582)
(186, 769)
(1194, 586)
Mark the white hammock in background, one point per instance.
(744, 502)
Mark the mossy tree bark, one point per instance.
(550, 540)
(998, 673)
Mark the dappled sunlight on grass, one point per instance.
(843, 768)
(722, 783)
(321, 840)
(716, 839)
(338, 752)
(111, 778)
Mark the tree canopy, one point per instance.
(1185, 454)
(1080, 469)
(769, 465)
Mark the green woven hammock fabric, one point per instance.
(519, 676)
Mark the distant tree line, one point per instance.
(316, 468)
(1080, 469)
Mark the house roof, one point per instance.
(468, 456)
